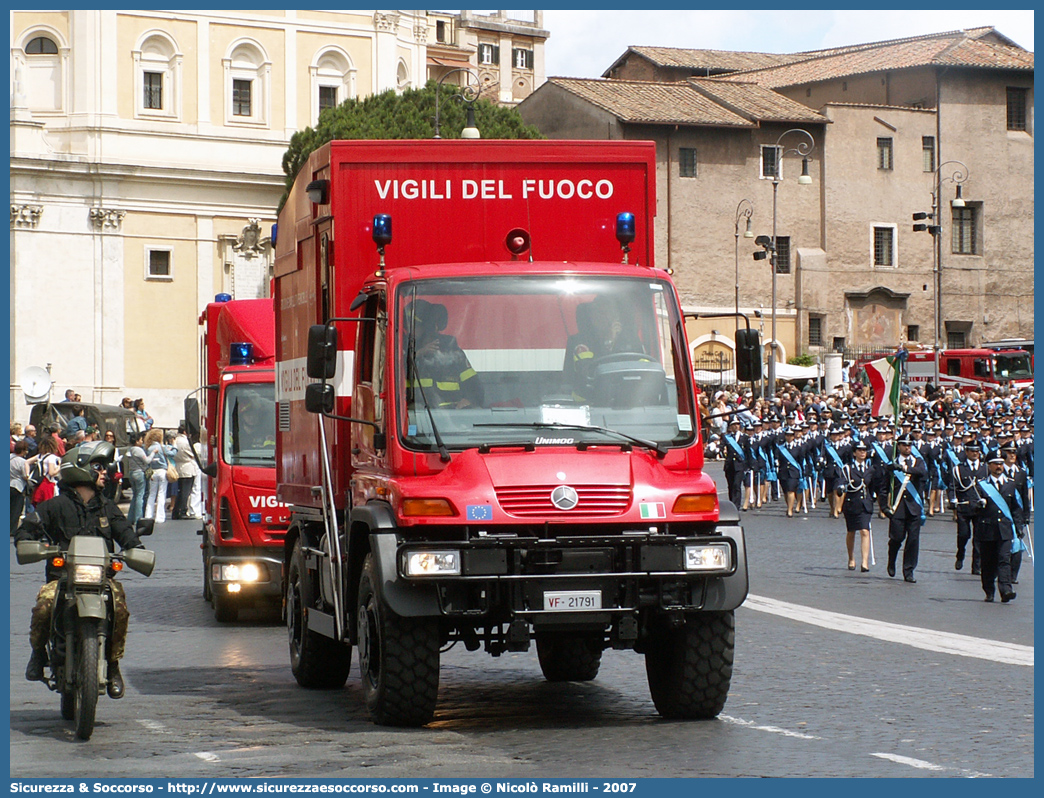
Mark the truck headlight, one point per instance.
(87, 574)
(236, 572)
(433, 563)
(708, 557)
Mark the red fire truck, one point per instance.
(487, 424)
(971, 369)
(244, 526)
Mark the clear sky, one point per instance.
(584, 44)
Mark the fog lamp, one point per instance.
(708, 557)
(433, 563)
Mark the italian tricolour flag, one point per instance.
(884, 381)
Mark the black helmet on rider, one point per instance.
(82, 465)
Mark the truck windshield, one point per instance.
(248, 425)
(1013, 367)
(547, 360)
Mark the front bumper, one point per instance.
(234, 574)
(502, 578)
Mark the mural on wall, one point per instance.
(876, 317)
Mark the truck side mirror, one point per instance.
(748, 355)
(322, 351)
(192, 417)
(319, 397)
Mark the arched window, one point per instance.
(41, 45)
(43, 64)
(402, 77)
(157, 77)
(333, 80)
(247, 85)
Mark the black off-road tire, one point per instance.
(68, 705)
(568, 656)
(226, 607)
(398, 658)
(690, 667)
(86, 694)
(317, 662)
(207, 592)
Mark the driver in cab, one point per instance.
(438, 372)
(601, 331)
(253, 426)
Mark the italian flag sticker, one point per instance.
(652, 510)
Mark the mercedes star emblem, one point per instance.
(564, 497)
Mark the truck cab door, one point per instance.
(368, 442)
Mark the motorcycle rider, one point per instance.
(80, 508)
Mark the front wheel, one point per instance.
(226, 607)
(317, 662)
(690, 667)
(68, 704)
(398, 658)
(567, 657)
(86, 690)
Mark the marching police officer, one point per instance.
(901, 501)
(996, 530)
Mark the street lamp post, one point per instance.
(958, 175)
(744, 210)
(468, 94)
(804, 149)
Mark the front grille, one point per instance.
(530, 500)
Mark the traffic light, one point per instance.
(748, 355)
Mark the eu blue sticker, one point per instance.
(480, 512)
(411, 430)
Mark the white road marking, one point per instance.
(906, 760)
(774, 729)
(206, 756)
(927, 639)
(153, 726)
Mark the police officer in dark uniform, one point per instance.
(1021, 512)
(855, 486)
(965, 477)
(835, 455)
(789, 455)
(901, 499)
(735, 460)
(996, 530)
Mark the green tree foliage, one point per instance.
(804, 359)
(410, 115)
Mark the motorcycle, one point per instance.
(82, 618)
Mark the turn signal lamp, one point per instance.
(116, 565)
(240, 354)
(58, 562)
(692, 503)
(426, 507)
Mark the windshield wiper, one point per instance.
(444, 454)
(657, 446)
